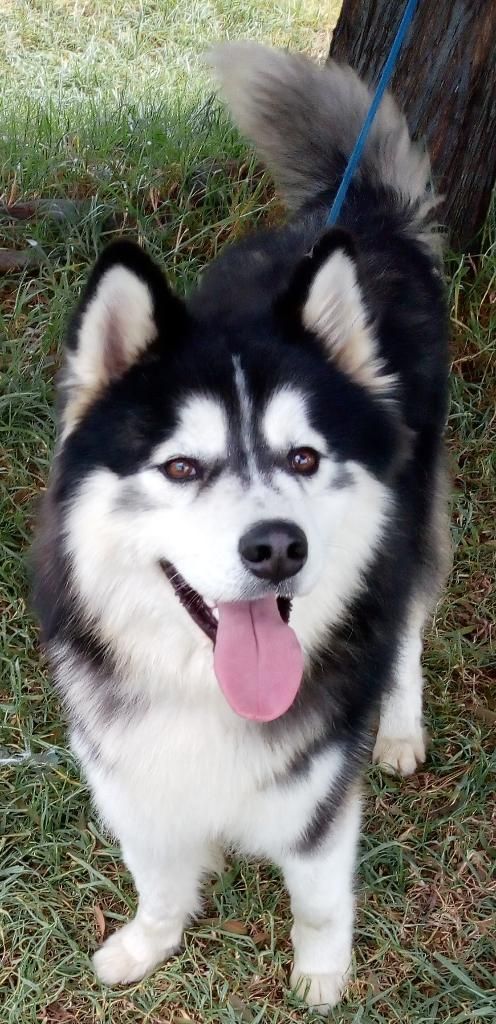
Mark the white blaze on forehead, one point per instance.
(286, 424)
(245, 415)
(201, 432)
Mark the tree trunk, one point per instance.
(445, 82)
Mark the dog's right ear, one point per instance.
(127, 304)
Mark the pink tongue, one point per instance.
(257, 659)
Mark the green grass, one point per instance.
(92, 110)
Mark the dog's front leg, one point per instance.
(167, 885)
(320, 883)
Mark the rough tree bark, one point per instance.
(445, 82)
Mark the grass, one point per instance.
(90, 110)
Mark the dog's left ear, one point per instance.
(330, 303)
(125, 306)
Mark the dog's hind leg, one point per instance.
(400, 743)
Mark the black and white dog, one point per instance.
(245, 527)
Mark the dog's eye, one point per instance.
(304, 461)
(182, 470)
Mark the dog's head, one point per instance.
(231, 467)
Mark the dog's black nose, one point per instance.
(274, 550)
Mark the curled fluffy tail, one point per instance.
(305, 119)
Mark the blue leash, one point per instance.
(382, 85)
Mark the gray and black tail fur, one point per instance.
(305, 119)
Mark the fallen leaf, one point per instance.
(235, 927)
(99, 921)
(485, 715)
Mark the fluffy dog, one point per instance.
(245, 526)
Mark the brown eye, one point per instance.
(304, 461)
(182, 470)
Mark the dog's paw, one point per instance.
(320, 991)
(130, 954)
(399, 754)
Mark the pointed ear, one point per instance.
(126, 304)
(331, 305)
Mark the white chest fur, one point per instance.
(194, 772)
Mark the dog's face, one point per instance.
(227, 465)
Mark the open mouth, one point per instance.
(258, 660)
(203, 614)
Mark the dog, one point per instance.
(245, 527)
